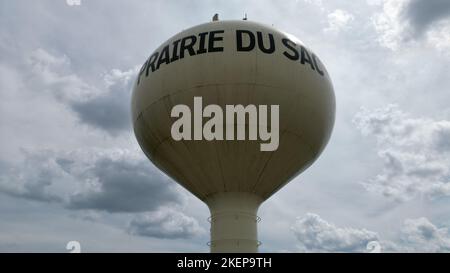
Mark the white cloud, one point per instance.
(338, 20)
(317, 235)
(420, 235)
(53, 73)
(317, 3)
(165, 223)
(415, 153)
(403, 22)
(439, 37)
(117, 75)
(390, 28)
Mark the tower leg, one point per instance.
(234, 222)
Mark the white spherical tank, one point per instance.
(182, 109)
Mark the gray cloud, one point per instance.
(104, 107)
(165, 223)
(415, 153)
(111, 110)
(34, 179)
(421, 14)
(102, 181)
(317, 235)
(125, 186)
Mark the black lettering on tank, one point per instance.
(305, 57)
(187, 46)
(175, 51)
(151, 62)
(271, 47)
(212, 39)
(141, 71)
(163, 57)
(201, 43)
(291, 46)
(239, 40)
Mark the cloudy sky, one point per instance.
(71, 169)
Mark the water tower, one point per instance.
(236, 62)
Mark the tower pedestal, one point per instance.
(234, 222)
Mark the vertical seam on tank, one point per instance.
(218, 159)
(220, 168)
(305, 166)
(262, 171)
(196, 163)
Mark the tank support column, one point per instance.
(234, 222)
